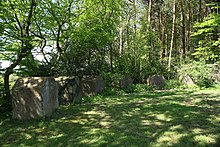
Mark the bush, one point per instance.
(111, 80)
(200, 72)
(172, 84)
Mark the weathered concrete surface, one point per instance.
(186, 79)
(157, 81)
(125, 82)
(216, 77)
(69, 89)
(92, 85)
(34, 97)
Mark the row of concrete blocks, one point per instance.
(37, 97)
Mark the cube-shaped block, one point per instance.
(92, 85)
(34, 97)
(125, 82)
(157, 81)
(69, 89)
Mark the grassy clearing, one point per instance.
(162, 118)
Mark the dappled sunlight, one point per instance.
(133, 120)
(163, 117)
(215, 119)
(205, 139)
(169, 138)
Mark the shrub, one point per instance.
(200, 72)
(172, 84)
(111, 80)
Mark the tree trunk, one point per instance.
(149, 12)
(6, 87)
(166, 44)
(135, 33)
(189, 24)
(25, 48)
(162, 28)
(148, 56)
(8, 72)
(121, 50)
(111, 58)
(200, 11)
(172, 35)
(183, 36)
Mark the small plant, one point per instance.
(90, 99)
(172, 84)
(139, 88)
(111, 91)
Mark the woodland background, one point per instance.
(111, 38)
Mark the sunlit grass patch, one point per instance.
(169, 138)
(162, 118)
(204, 140)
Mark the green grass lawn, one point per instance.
(162, 118)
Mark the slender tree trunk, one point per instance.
(149, 12)
(148, 56)
(183, 36)
(162, 28)
(189, 24)
(172, 35)
(200, 11)
(134, 30)
(111, 58)
(25, 48)
(136, 59)
(166, 44)
(120, 41)
(121, 50)
(128, 33)
(206, 9)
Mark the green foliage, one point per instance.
(110, 91)
(207, 36)
(172, 84)
(200, 72)
(140, 88)
(90, 99)
(157, 68)
(112, 79)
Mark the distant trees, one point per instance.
(135, 37)
(207, 36)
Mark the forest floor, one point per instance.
(162, 118)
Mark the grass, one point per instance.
(161, 118)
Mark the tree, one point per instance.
(173, 33)
(206, 35)
(16, 19)
(183, 35)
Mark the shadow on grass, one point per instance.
(146, 119)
